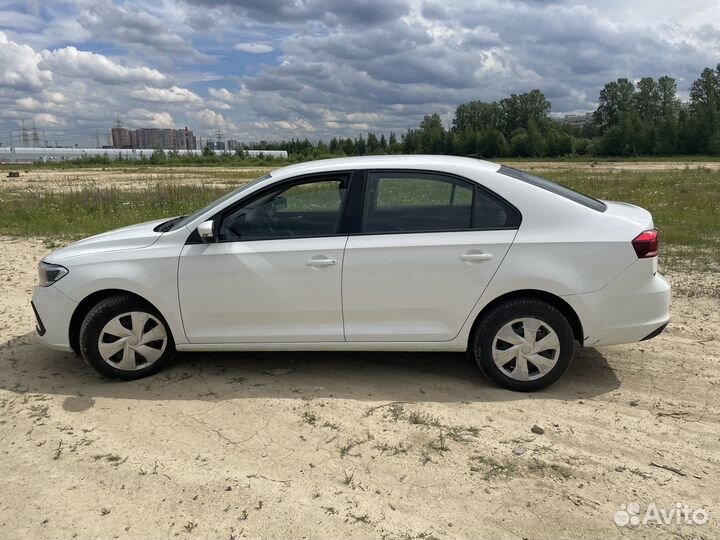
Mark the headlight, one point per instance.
(50, 273)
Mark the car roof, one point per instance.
(414, 161)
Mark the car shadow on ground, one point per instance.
(27, 366)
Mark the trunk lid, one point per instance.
(630, 213)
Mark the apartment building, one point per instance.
(154, 138)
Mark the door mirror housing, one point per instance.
(206, 230)
(279, 203)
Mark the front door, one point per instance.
(274, 273)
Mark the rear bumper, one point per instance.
(656, 332)
(633, 307)
(53, 311)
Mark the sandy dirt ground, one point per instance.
(331, 445)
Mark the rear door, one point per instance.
(429, 245)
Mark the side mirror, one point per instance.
(279, 203)
(206, 230)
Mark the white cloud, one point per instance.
(70, 62)
(221, 93)
(253, 48)
(214, 103)
(19, 67)
(47, 120)
(54, 97)
(132, 26)
(146, 118)
(174, 94)
(28, 103)
(296, 125)
(18, 20)
(209, 118)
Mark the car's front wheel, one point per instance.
(523, 344)
(123, 337)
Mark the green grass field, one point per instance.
(685, 204)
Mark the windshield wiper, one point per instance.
(165, 226)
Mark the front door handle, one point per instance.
(475, 256)
(320, 261)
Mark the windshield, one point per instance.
(189, 219)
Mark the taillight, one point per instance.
(646, 244)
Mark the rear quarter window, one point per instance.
(557, 189)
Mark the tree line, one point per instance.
(632, 119)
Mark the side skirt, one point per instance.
(428, 346)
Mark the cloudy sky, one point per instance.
(316, 68)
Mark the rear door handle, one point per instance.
(475, 256)
(320, 261)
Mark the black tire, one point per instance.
(484, 334)
(102, 313)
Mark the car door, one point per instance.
(274, 273)
(429, 245)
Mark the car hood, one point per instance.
(132, 237)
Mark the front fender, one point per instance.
(148, 273)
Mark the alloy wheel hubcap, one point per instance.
(132, 341)
(526, 349)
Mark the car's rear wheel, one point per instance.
(123, 337)
(523, 344)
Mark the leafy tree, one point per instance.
(704, 107)
(534, 139)
(373, 145)
(518, 109)
(615, 101)
(394, 147)
(432, 134)
(647, 99)
(667, 95)
(157, 157)
(705, 90)
(476, 116)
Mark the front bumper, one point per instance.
(53, 312)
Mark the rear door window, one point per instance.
(398, 202)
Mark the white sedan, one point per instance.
(391, 253)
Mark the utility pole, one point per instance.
(220, 140)
(35, 136)
(25, 140)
